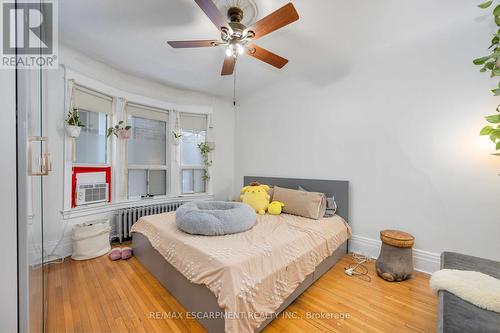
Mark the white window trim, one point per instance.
(117, 149)
(147, 166)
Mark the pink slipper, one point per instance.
(115, 253)
(126, 253)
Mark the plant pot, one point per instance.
(125, 134)
(73, 131)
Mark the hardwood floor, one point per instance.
(103, 296)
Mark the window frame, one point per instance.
(193, 168)
(149, 167)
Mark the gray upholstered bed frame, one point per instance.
(336, 188)
(198, 298)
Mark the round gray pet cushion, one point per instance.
(214, 218)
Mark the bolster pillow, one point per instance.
(307, 204)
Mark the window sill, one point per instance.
(102, 208)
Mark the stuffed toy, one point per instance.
(256, 196)
(275, 207)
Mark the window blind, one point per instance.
(90, 100)
(147, 112)
(194, 121)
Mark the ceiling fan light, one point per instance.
(239, 49)
(229, 52)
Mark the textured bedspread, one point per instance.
(253, 272)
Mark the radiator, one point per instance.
(128, 216)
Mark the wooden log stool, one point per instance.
(395, 262)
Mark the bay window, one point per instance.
(150, 161)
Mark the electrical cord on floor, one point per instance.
(357, 267)
(58, 259)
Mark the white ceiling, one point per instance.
(322, 46)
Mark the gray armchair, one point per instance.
(457, 315)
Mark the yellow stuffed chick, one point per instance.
(275, 207)
(256, 196)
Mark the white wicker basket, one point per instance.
(91, 240)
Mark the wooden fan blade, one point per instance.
(266, 56)
(192, 43)
(213, 13)
(228, 66)
(274, 21)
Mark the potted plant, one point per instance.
(205, 149)
(491, 63)
(119, 130)
(73, 123)
(177, 137)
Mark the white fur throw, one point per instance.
(477, 288)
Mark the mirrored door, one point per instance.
(34, 166)
(32, 170)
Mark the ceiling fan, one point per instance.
(238, 38)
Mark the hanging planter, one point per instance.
(205, 149)
(177, 136)
(73, 131)
(125, 133)
(120, 131)
(73, 124)
(177, 132)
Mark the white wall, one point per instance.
(223, 118)
(8, 236)
(400, 121)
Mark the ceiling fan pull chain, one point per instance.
(234, 87)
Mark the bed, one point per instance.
(240, 282)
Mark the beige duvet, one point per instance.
(253, 272)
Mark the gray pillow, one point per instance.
(331, 205)
(214, 218)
